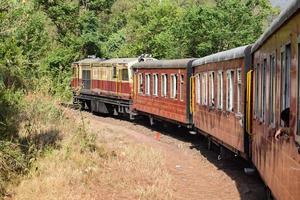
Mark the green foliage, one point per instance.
(38, 134)
(41, 38)
(176, 29)
(10, 104)
(12, 162)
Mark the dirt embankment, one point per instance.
(126, 161)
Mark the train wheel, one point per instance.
(209, 143)
(269, 194)
(151, 120)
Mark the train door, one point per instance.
(192, 94)
(249, 102)
(119, 81)
(114, 76)
(125, 88)
(75, 76)
(86, 79)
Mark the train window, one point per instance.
(125, 75)
(181, 87)
(285, 78)
(211, 89)
(198, 89)
(256, 110)
(173, 86)
(140, 82)
(239, 91)
(230, 90)
(114, 72)
(204, 89)
(272, 90)
(155, 84)
(86, 79)
(220, 90)
(263, 90)
(147, 84)
(164, 85)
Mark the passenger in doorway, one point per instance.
(285, 131)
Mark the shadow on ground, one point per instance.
(41, 141)
(250, 187)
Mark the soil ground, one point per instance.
(196, 172)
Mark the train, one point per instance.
(246, 99)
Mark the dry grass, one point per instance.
(95, 164)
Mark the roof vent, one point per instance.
(144, 57)
(92, 56)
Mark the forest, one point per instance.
(39, 39)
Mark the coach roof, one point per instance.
(222, 56)
(120, 60)
(176, 63)
(286, 14)
(88, 61)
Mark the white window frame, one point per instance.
(230, 91)
(239, 90)
(155, 84)
(173, 86)
(164, 85)
(211, 89)
(147, 84)
(220, 90)
(140, 83)
(198, 89)
(204, 89)
(181, 87)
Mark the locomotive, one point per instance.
(240, 98)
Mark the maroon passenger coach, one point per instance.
(161, 90)
(219, 96)
(276, 61)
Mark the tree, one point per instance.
(206, 30)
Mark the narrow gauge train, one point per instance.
(240, 98)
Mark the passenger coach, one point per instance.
(219, 97)
(276, 61)
(162, 90)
